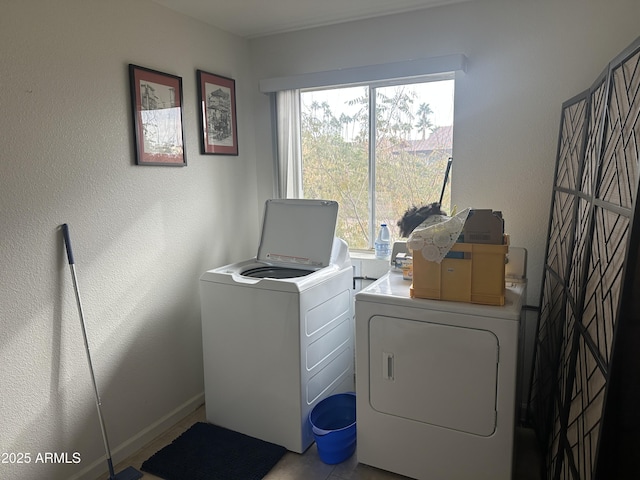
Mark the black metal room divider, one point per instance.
(585, 390)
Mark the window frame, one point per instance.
(388, 74)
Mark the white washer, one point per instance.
(436, 383)
(277, 330)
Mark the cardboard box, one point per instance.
(483, 226)
(478, 277)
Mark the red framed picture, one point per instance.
(217, 103)
(156, 99)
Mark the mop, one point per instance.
(414, 216)
(129, 473)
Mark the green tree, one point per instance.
(424, 122)
(335, 151)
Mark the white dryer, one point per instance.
(277, 330)
(436, 383)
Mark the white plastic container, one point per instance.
(382, 244)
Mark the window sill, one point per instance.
(367, 265)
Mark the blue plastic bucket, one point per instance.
(333, 422)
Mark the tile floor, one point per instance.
(308, 466)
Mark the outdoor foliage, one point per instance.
(409, 166)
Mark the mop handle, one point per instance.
(72, 267)
(67, 243)
(446, 178)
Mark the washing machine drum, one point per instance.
(275, 272)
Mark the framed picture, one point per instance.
(217, 102)
(156, 99)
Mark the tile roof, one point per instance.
(440, 139)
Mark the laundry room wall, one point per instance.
(525, 59)
(142, 235)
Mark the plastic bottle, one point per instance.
(383, 243)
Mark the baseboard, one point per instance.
(135, 443)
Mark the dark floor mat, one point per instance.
(209, 452)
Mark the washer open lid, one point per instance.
(298, 232)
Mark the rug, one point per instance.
(209, 452)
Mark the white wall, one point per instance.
(525, 59)
(141, 235)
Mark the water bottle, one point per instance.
(383, 243)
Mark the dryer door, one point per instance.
(433, 373)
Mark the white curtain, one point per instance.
(289, 148)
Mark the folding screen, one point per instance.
(585, 392)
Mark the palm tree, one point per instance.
(424, 124)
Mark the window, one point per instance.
(376, 182)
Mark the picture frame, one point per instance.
(218, 121)
(156, 101)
